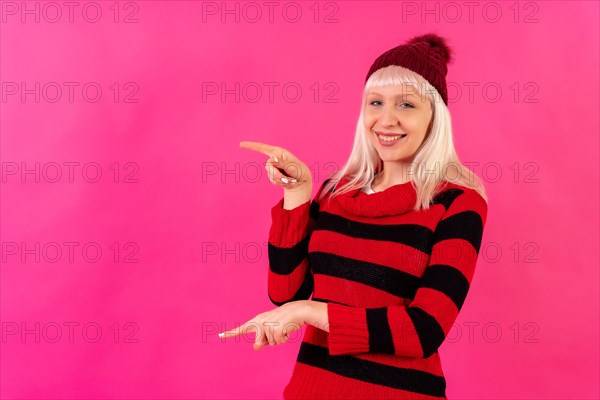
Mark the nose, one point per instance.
(388, 116)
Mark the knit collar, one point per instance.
(395, 200)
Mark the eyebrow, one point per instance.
(398, 95)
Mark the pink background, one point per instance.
(193, 209)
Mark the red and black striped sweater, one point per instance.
(393, 279)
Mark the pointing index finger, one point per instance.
(257, 146)
(236, 331)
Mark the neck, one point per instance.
(393, 173)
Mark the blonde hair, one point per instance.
(435, 160)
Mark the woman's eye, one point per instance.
(403, 105)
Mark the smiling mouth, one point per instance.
(390, 138)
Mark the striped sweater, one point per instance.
(394, 281)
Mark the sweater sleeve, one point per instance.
(289, 276)
(419, 328)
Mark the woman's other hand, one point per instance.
(273, 327)
(284, 169)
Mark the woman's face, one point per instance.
(397, 110)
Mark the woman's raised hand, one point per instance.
(283, 168)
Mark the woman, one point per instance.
(387, 248)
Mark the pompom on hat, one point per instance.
(428, 55)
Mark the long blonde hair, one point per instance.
(435, 160)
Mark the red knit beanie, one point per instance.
(427, 55)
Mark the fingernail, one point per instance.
(221, 334)
(284, 180)
(275, 158)
(293, 180)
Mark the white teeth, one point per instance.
(389, 139)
